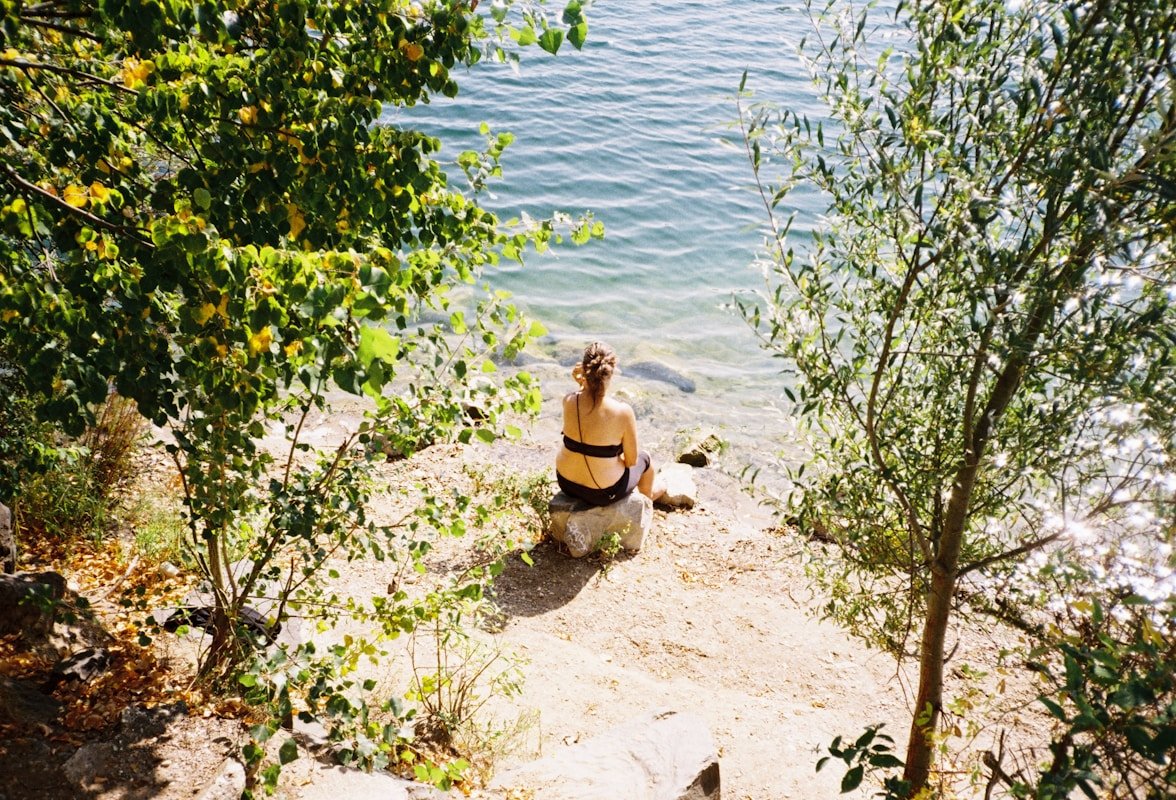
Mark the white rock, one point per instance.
(581, 526)
(228, 784)
(344, 783)
(663, 755)
(678, 480)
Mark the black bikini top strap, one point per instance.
(580, 429)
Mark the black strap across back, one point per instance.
(593, 450)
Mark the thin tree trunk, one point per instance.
(220, 650)
(929, 699)
(945, 570)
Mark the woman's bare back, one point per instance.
(607, 423)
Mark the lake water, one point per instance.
(632, 128)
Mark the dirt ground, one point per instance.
(712, 616)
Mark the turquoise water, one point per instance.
(631, 128)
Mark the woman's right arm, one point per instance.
(629, 436)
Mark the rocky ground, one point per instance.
(712, 616)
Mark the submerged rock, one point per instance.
(656, 371)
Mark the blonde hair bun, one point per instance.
(598, 365)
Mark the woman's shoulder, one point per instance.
(618, 408)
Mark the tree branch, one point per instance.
(53, 199)
(40, 22)
(1028, 547)
(26, 66)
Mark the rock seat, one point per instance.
(581, 526)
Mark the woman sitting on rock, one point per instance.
(599, 461)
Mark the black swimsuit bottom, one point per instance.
(603, 497)
(592, 495)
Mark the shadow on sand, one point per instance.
(554, 580)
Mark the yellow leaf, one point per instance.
(203, 314)
(8, 315)
(1150, 635)
(75, 196)
(99, 193)
(294, 347)
(135, 72)
(412, 50)
(296, 220)
(248, 115)
(222, 307)
(260, 342)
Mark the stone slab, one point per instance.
(581, 526)
(663, 755)
(680, 489)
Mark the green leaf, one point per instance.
(551, 39)
(852, 779)
(1141, 742)
(578, 34)
(270, 775)
(287, 752)
(375, 342)
(573, 12)
(526, 36)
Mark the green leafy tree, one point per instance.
(982, 324)
(201, 208)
